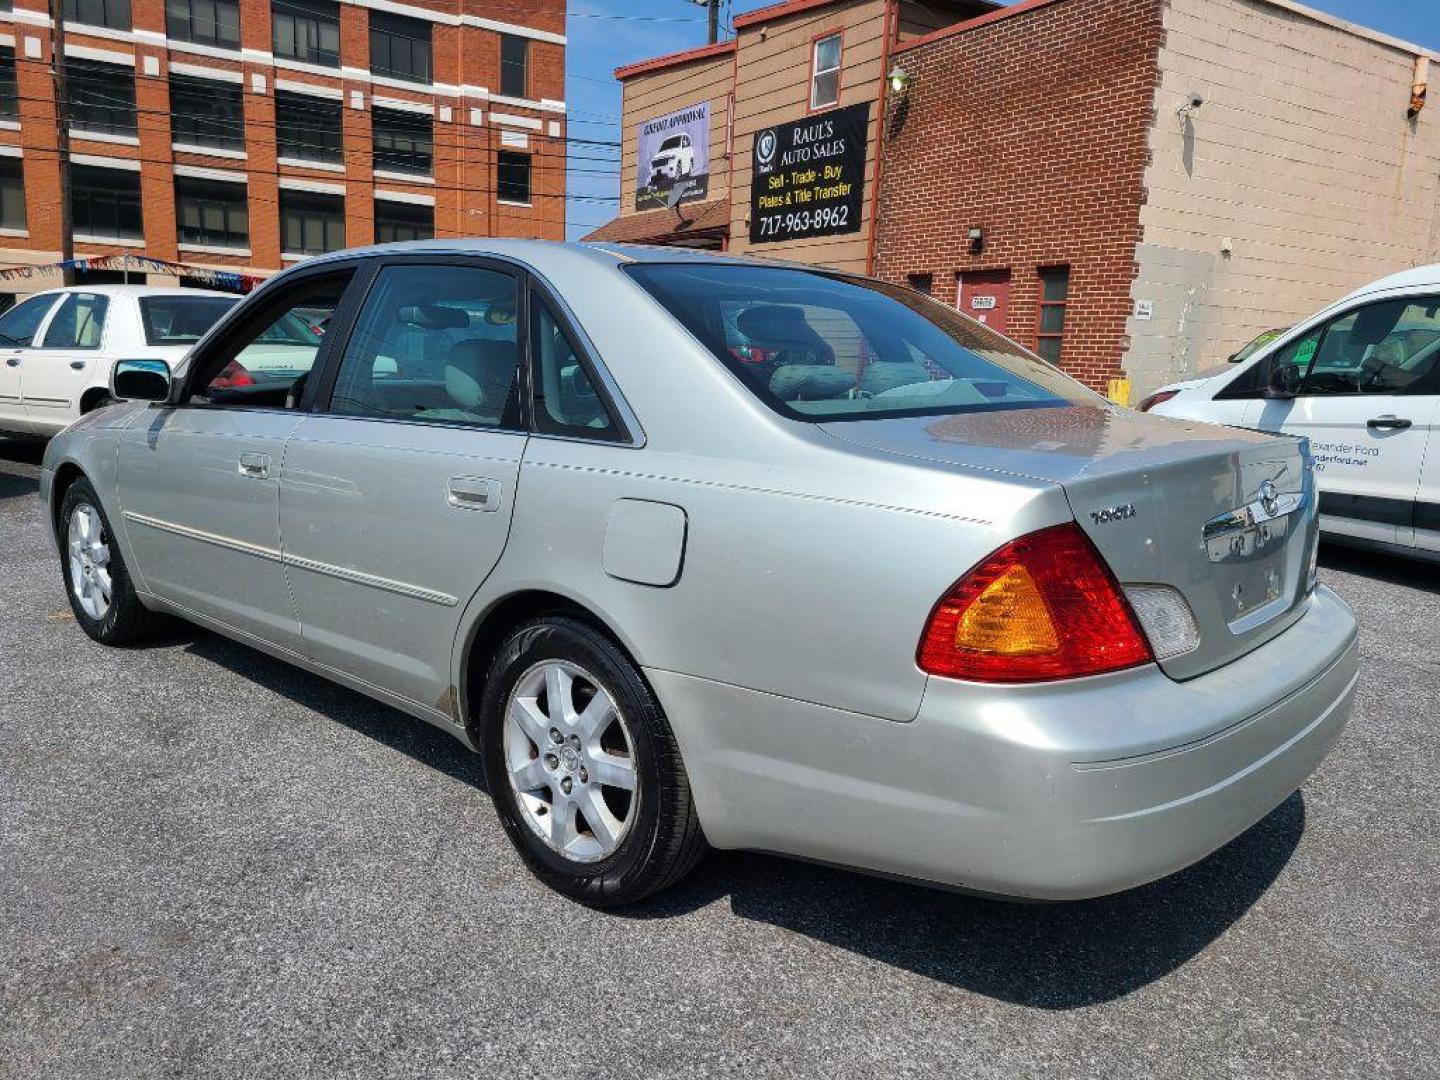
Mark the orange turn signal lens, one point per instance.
(1009, 618)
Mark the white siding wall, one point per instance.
(1302, 158)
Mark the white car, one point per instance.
(1360, 380)
(57, 347)
(674, 159)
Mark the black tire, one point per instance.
(126, 621)
(663, 841)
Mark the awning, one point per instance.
(688, 225)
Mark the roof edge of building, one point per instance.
(989, 17)
(675, 59)
(1333, 21)
(709, 217)
(796, 7)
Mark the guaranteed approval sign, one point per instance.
(808, 177)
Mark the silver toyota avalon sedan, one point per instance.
(701, 551)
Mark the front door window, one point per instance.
(268, 365)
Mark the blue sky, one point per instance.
(603, 34)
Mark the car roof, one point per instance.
(551, 255)
(136, 290)
(1417, 277)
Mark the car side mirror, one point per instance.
(140, 380)
(1284, 381)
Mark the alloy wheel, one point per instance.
(571, 761)
(89, 553)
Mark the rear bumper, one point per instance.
(1050, 792)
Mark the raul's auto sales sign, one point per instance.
(808, 177)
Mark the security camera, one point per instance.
(1195, 101)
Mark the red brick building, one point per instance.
(1133, 188)
(1030, 127)
(247, 134)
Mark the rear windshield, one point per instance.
(181, 320)
(818, 346)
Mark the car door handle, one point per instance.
(473, 493)
(255, 466)
(12, 361)
(1387, 423)
(77, 365)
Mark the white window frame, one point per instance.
(815, 72)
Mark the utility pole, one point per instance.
(62, 136)
(712, 9)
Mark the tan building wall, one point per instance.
(668, 90)
(772, 86)
(1298, 179)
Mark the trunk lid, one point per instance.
(1225, 516)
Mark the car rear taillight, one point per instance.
(1146, 404)
(1044, 606)
(232, 375)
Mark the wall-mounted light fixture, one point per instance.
(1418, 86)
(976, 236)
(899, 81)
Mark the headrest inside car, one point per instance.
(774, 322)
(479, 374)
(434, 317)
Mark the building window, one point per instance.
(399, 47)
(112, 13)
(307, 128)
(12, 193)
(922, 283)
(307, 30)
(403, 141)
(514, 66)
(397, 221)
(311, 224)
(102, 97)
(204, 112)
(512, 177)
(106, 203)
(825, 72)
(205, 22)
(215, 213)
(1054, 293)
(9, 90)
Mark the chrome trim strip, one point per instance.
(241, 546)
(401, 588)
(358, 577)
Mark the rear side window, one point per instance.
(437, 344)
(79, 323)
(181, 320)
(19, 324)
(816, 346)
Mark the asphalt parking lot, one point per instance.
(212, 864)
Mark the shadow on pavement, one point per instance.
(399, 731)
(1055, 956)
(12, 483)
(1382, 566)
(1060, 956)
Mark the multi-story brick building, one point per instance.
(1134, 188)
(247, 134)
